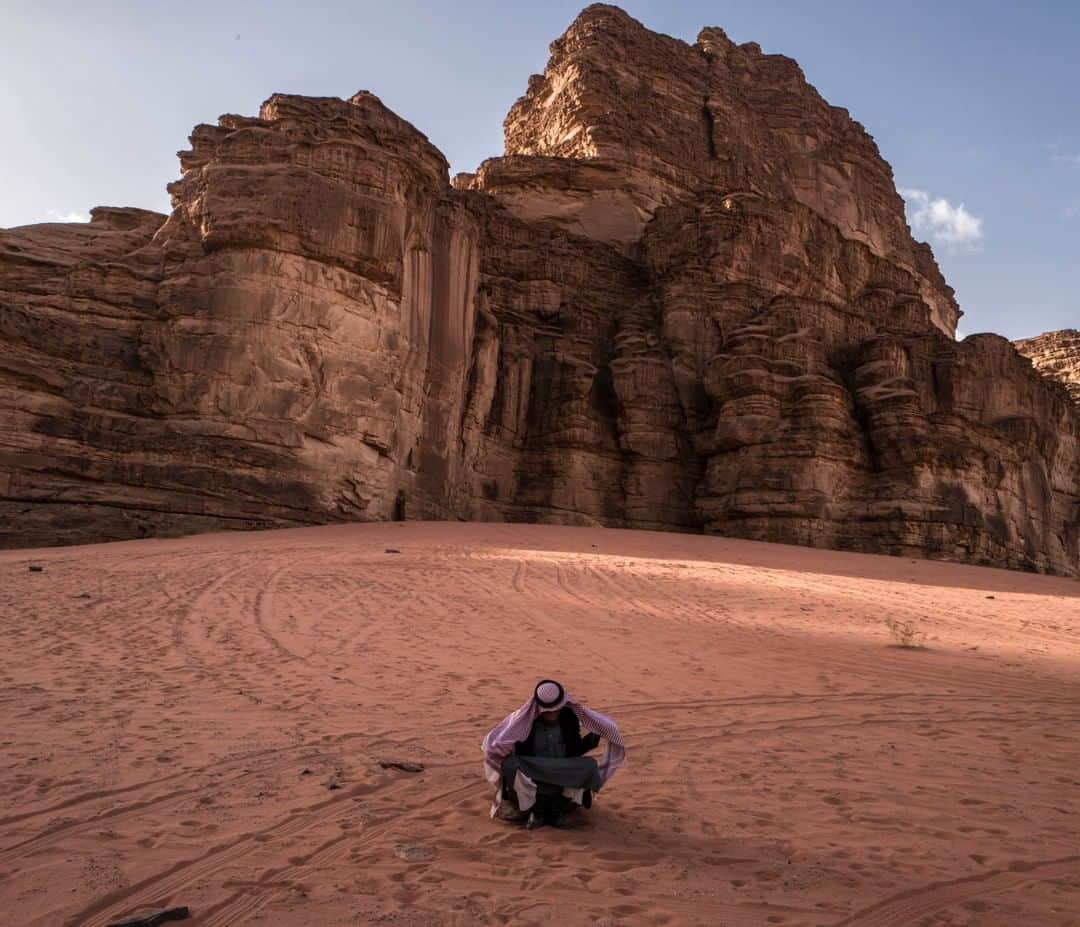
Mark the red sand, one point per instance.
(173, 711)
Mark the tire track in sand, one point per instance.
(905, 908)
(162, 886)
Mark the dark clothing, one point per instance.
(548, 739)
(572, 743)
(579, 772)
(551, 777)
(553, 756)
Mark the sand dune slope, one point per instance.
(174, 713)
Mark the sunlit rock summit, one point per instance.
(1056, 354)
(686, 297)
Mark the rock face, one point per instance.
(685, 298)
(1056, 355)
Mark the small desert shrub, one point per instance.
(905, 633)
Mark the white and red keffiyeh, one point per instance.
(549, 696)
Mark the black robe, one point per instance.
(553, 774)
(576, 745)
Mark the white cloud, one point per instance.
(1061, 157)
(948, 225)
(56, 216)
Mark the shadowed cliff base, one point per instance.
(685, 298)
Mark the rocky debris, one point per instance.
(685, 298)
(153, 919)
(36, 568)
(403, 765)
(333, 783)
(1056, 355)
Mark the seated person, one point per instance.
(536, 757)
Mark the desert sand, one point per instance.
(175, 713)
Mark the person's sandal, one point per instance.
(534, 822)
(508, 811)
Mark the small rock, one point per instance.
(152, 920)
(414, 854)
(36, 568)
(391, 550)
(403, 765)
(332, 783)
(990, 596)
(305, 771)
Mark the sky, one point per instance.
(975, 104)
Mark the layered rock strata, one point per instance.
(685, 298)
(1056, 355)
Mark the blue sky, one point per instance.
(975, 104)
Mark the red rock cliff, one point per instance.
(1057, 356)
(685, 298)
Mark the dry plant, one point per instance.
(905, 633)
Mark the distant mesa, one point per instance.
(685, 298)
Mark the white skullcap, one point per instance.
(547, 693)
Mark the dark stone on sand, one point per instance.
(403, 765)
(391, 550)
(34, 568)
(153, 919)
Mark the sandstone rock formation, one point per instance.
(685, 298)
(1056, 355)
